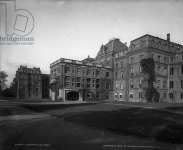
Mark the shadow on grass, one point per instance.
(13, 111)
(155, 124)
(179, 108)
(45, 107)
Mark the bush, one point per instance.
(148, 67)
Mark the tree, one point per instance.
(3, 79)
(148, 68)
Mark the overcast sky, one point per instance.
(77, 28)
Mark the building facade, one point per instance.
(129, 79)
(79, 80)
(31, 84)
(126, 80)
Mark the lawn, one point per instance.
(146, 123)
(45, 107)
(13, 111)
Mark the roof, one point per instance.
(114, 45)
(148, 35)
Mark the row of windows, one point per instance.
(78, 71)
(132, 84)
(158, 84)
(132, 59)
(171, 95)
(172, 70)
(131, 95)
(88, 85)
(158, 58)
(140, 95)
(171, 84)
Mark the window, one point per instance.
(121, 85)
(107, 74)
(97, 83)
(182, 84)
(87, 72)
(140, 83)
(67, 69)
(131, 70)
(164, 95)
(121, 64)
(165, 59)
(72, 70)
(88, 82)
(158, 84)
(93, 82)
(116, 95)
(140, 95)
(182, 69)
(140, 69)
(131, 60)
(78, 85)
(122, 75)
(171, 95)
(182, 57)
(181, 95)
(158, 68)
(78, 79)
(171, 70)
(171, 59)
(131, 95)
(78, 70)
(164, 84)
(120, 95)
(97, 72)
(89, 95)
(171, 84)
(159, 58)
(37, 90)
(116, 74)
(131, 84)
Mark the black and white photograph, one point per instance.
(91, 75)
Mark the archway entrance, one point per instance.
(72, 96)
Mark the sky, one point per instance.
(75, 29)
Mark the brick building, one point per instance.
(70, 80)
(168, 58)
(31, 84)
(80, 80)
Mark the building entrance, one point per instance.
(72, 96)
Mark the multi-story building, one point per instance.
(72, 79)
(80, 80)
(168, 64)
(31, 84)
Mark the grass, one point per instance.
(174, 108)
(45, 107)
(147, 123)
(13, 111)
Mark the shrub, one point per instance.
(148, 67)
(170, 133)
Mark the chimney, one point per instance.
(168, 37)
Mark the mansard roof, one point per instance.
(113, 46)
